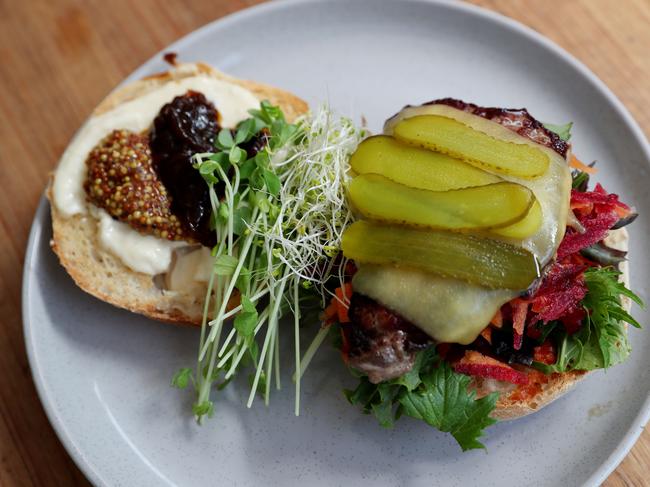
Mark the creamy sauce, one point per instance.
(189, 267)
(142, 253)
(455, 311)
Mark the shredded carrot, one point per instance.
(545, 353)
(497, 319)
(519, 313)
(577, 164)
(342, 302)
(487, 334)
(585, 206)
(622, 212)
(344, 293)
(331, 312)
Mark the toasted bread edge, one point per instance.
(100, 273)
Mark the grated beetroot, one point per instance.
(563, 288)
(558, 298)
(597, 211)
(479, 365)
(596, 228)
(608, 201)
(560, 293)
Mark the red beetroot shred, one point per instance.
(561, 292)
(597, 211)
(477, 364)
(563, 288)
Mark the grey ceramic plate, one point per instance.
(103, 374)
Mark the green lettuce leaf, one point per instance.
(563, 131)
(602, 339)
(579, 180)
(432, 392)
(445, 403)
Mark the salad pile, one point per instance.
(278, 229)
(279, 215)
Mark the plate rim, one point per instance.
(41, 216)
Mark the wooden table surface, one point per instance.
(60, 57)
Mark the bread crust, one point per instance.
(558, 384)
(101, 274)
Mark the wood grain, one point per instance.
(59, 58)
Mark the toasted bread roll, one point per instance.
(102, 274)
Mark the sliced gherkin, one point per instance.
(552, 189)
(527, 226)
(415, 167)
(486, 262)
(482, 207)
(449, 136)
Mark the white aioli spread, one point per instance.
(142, 253)
(190, 266)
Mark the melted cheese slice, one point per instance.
(449, 310)
(455, 311)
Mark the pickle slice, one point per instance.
(449, 136)
(491, 206)
(527, 226)
(415, 167)
(478, 260)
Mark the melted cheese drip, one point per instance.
(449, 310)
(455, 311)
(142, 253)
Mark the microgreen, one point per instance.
(278, 218)
(182, 378)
